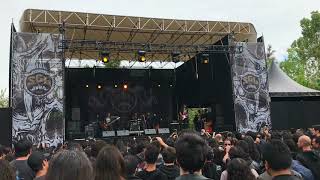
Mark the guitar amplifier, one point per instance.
(150, 131)
(89, 131)
(123, 133)
(108, 133)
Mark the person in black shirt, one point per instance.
(169, 168)
(277, 160)
(39, 164)
(22, 152)
(308, 157)
(131, 163)
(151, 172)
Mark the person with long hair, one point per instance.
(109, 164)
(68, 164)
(6, 171)
(238, 169)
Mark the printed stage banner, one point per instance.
(37, 88)
(250, 87)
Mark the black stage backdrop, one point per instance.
(148, 91)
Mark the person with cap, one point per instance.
(39, 164)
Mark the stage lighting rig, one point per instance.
(141, 56)
(175, 56)
(205, 59)
(104, 56)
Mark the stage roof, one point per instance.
(281, 85)
(131, 31)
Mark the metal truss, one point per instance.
(101, 21)
(86, 33)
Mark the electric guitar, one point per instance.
(105, 125)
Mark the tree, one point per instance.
(3, 99)
(303, 60)
(270, 55)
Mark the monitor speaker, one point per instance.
(123, 133)
(163, 130)
(150, 131)
(108, 133)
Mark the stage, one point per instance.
(223, 70)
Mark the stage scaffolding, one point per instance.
(88, 33)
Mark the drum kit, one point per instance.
(136, 124)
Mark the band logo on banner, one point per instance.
(37, 88)
(250, 88)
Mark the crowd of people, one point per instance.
(188, 155)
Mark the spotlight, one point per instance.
(141, 56)
(99, 86)
(115, 85)
(170, 85)
(87, 85)
(125, 86)
(175, 56)
(104, 56)
(159, 85)
(205, 59)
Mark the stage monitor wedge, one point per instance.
(108, 133)
(123, 133)
(163, 131)
(150, 132)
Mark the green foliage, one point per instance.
(192, 112)
(299, 65)
(113, 63)
(3, 98)
(270, 55)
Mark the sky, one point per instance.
(277, 20)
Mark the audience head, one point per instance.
(67, 164)
(37, 161)
(277, 156)
(131, 162)
(238, 169)
(96, 147)
(109, 164)
(73, 146)
(227, 142)
(238, 152)
(317, 130)
(169, 155)
(22, 148)
(191, 152)
(2, 154)
(304, 142)
(151, 153)
(316, 143)
(6, 171)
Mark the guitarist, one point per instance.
(184, 117)
(105, 124)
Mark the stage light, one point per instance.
(115, 85)
(205, 59)
(125, 86)
(175, 56)
(104, 56)
(170, 85)
(159, 85)
(99, 86)
(141, 56)
(87, 85)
